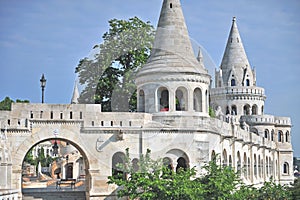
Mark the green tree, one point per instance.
(5, 104)
(109, 76)
(29, 158)
(295, 189)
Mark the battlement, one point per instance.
(23, 115)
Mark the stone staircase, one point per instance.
(61, 195)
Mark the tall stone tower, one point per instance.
(235, 89)
(173, 82)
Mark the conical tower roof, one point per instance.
(75, 95)
(172, 51)
(234, 58)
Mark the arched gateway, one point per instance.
(63, 134)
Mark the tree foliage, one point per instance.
(109, 76)
(5, 104)
(153, 180)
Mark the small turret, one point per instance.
(236, 70)
(75, 94)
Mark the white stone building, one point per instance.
(174, 95)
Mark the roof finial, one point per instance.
(233, 19)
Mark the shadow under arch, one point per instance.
(24, 147)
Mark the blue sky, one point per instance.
(52, 36)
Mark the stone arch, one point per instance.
(118, 158)
(179, 157)
(259, 166)
(280, 136)
(267, 134)
(233, 110)
(42, 136)
(224, 158)
(163, 99)
(254, 109)
(245, 165)
(135, 164)
(181, 99)
(232, 82)
(238, 163)
(213, 155)
(230, 161)
(141, 106)
(247, 109)
(287, 136)
(272, 135)
(255, 166)
(198, 100)
(286, 169)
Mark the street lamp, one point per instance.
(43, 85)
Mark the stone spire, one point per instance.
(75, 95)
(172, 51)
(235, 62)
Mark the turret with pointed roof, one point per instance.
(235, 89)
(75, 95)
(173, 79)
(172, 50)
(236, 70)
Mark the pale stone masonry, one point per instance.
(173, 120)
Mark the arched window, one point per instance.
(230, 161)
(248, 168)
(262, 110)
(227, 110)
(118, 158)
(233, 82)
(198, 100)
(267, 134)
(272, 135)
(163, 96)
(247, 82)
(206, 101)
(286, 168)
(247, 110)
(287, 135)
(224, 157)
(181, 164)
(245, 165)
(259, 167)
(255, 165)
(238, 163)
(280, 136)
(233, 110)
(141, 101)
(267, 166)
(254, 109)
(181, 99)
(213, 156)
(135, 164)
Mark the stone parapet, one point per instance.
(266, 119)
(239, 91)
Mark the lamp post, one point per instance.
(43, 85)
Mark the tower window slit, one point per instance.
(171, 6)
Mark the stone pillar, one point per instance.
(3, 175)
